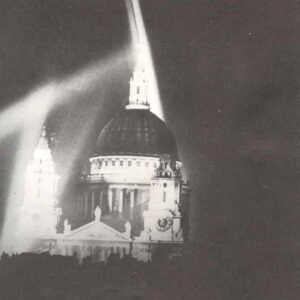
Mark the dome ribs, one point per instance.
(136, 132)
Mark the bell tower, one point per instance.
(162, 220)
(39, 214)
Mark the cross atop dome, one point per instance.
(138, 98)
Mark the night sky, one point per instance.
(228, 74)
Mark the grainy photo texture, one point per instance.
(149, 149)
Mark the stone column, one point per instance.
(100, 198)
(110, 200)
(82, 205)
(78, 208)
(120, 208)
(143, 192)
(78, 204)
(86, 204)
(131, 198)
(92, 203)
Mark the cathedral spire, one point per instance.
(138, 98)
(43, 142)
(42, 162)
(38, 214)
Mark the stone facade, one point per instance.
(39, 213)
(131, 201)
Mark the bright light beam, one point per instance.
(44, 98)
(142, 47)
(29, 115)
(34, 105)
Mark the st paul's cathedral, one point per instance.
(132, 199)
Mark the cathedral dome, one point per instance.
(136, 132)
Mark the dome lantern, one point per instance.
(138, 96)
(136, 131)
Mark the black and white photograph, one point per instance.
(149, 149)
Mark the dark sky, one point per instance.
(228, 73)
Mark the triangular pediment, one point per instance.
(96, 230)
